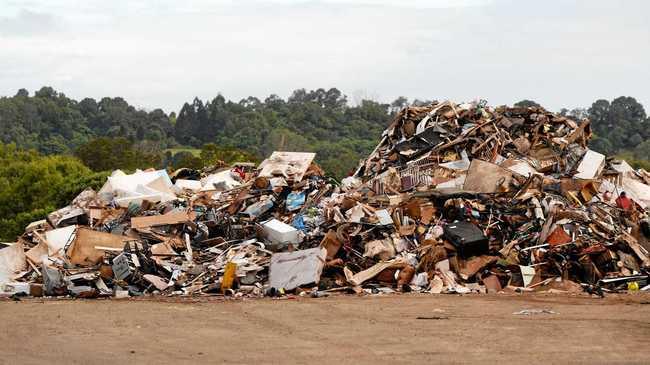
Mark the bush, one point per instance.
(32, 185)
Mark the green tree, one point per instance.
(602, 145)
(33, 185)
(52, 123)
(622, 123)
(186, 159)
(104, 154)
(527, 104)
(642, 151)
(211, 154)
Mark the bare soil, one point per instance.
(335, 330)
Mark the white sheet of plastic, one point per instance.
(154, 186)
(191, 185)
(222, 179)
(118, 181)
(289, 270)
(57, 239)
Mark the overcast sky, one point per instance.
(161, 53)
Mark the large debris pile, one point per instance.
(456, 198)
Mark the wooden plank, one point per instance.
(161, 220)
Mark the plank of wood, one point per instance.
(162, 220)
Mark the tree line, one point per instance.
(111, 133)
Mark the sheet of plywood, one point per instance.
(83, 250)
(360, 277)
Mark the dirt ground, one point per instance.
(335, 330)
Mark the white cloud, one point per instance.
(424, 4)
(163, 53)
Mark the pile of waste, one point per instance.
(455, 198)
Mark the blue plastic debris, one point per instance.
(295, 200)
